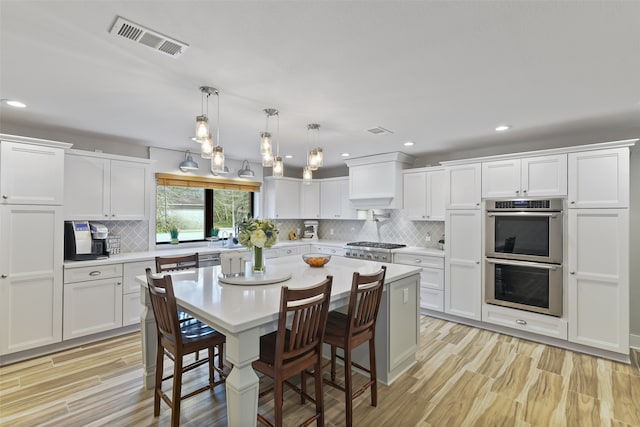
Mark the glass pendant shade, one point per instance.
(312, 162)
(267, 160)
(307, 175)
(319, 157)
(265, 143)
(278, 166)
(206, 147)
(202, 128)
(217, 159)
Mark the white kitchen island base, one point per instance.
(243, 314)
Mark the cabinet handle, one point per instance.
(521, 322)
(4, 196)
(477, 262)
(95, 273)
(288, 251)
(113, 215)
(106, 215)
(333, 251)
(517, 191)
(418, 261)
(4, 276)
(118, 283)
(573, 202)
(477, 204)
(524, 191)
(573, 273)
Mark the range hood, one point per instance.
(375, 182)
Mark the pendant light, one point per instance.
(217, 154)
(246, 172)
(307, 174)
(202, 121)
(278, 165)
(266, 146)
(188, 164)
(315, 158)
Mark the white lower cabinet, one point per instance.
(431, 278)
(131, 305)
(31, 239)
(462, 275)
(92, 300)
(598, 286)
(541, 324)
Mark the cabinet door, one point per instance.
(415, 195)
(131, 305)
(404, 331)
(463, 189)
(598, 299)
(436, 200)
(129, 184)
(86, 181)
(287, 201)
(544, 176)
(31, 174)
(347, 210)
(91, 307)
(599, 179)
(310, 200)
(31, 239)
(501, 179)
(462, 289)
(330, 199)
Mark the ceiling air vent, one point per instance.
(378, 130)
(155, 40)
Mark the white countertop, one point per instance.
(172, 250)
(236, 308)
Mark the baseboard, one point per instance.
(634, 341)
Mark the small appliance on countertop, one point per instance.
(85, 241)
(310, 230)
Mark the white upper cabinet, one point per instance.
(101, 188)
(282, 197)
(599, 179)
(334, 199)
(310, 200)
(462, 186)
(598, 287)
(542, 176)
(31, 174)
(424, 194)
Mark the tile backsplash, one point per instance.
(396, 229)
(134, 235)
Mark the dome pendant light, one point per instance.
(188, 164)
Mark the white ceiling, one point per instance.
(442, 74)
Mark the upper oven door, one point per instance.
(527, 236)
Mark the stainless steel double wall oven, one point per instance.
(524, 254)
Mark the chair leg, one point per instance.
(220, 356)
(303, 386)
(177, 389)
(158, 386)
(212, 378)
(348, 392)
(333, 363)
(319, 397)
(373, 373)
(278, 390)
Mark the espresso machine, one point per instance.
(84, 240)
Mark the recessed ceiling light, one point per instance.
(502, 128)
(345, 154)
(288, 156)
(409, 143)
(14, 103)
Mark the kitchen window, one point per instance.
(200, 207)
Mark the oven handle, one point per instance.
(522, 263)
(543, 214)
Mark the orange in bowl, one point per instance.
(316, 260)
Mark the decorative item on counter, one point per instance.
(214, 232)
(113, 243)
(293, 235)
(173, 231)
(258, 234)
(441, 243)
(316, 260)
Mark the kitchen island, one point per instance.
(244, 313)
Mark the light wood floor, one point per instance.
(464, 377)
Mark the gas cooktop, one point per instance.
(376, 245)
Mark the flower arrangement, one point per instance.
(257, 234)
(261, 233)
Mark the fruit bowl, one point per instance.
(316, 260)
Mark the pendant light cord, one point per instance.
(278, 131)
(217, 120)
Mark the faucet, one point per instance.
(236, 218)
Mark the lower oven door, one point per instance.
(524, 285)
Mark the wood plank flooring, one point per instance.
(464, 377)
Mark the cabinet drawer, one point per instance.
(331, 250)
(525, 321)
(432, 278)
(431, 299)
(419, 260)
(131, 309)
(81, 274)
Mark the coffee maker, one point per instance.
(84, 240)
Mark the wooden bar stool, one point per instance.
(177, 339)
(296, 346)
(348, 331)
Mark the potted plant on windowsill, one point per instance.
(173, 231)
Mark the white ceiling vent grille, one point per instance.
(155, 40)
(379, 130)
